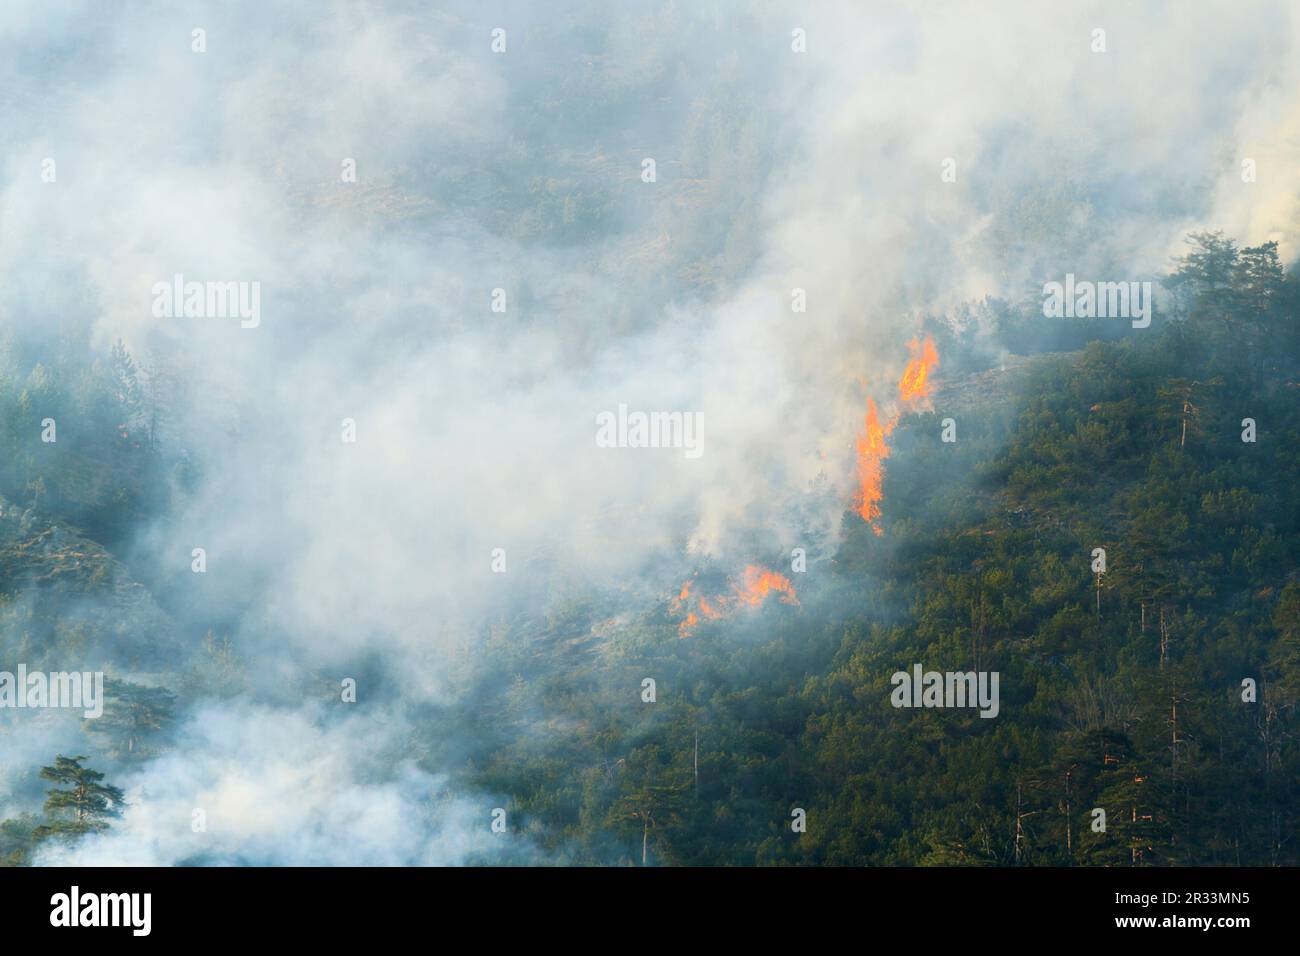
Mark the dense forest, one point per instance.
(1121, 691)
(1164, 690)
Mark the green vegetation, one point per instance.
(84, 807)
(77, 804)
(102, 473)
(1121, 691)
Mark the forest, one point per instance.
(1121, 691)
(1163, 690)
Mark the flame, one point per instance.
(915, 381)
(756, 583)
(872, 451)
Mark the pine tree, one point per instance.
(134, 714)
(84, 807)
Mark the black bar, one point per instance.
(367, 905)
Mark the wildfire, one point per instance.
(756, 583)
(915, 381)
(872, 450)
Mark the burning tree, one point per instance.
(872, 449)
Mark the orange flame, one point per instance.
(872, 451)
(753, 588)
(915, 381)
(710, 613)
(757, 583)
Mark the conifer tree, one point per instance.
(84, 806)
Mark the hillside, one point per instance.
(63, 596)
(1162, 689)
(1121, 691)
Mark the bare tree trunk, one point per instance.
(1069, 841)
(1017, 823)
(1132, 851)
(1173, 719)
(1164, 638)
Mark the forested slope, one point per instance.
(1121, 691)
(1163, 690)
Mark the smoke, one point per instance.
(263, 787)
(521, 171)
